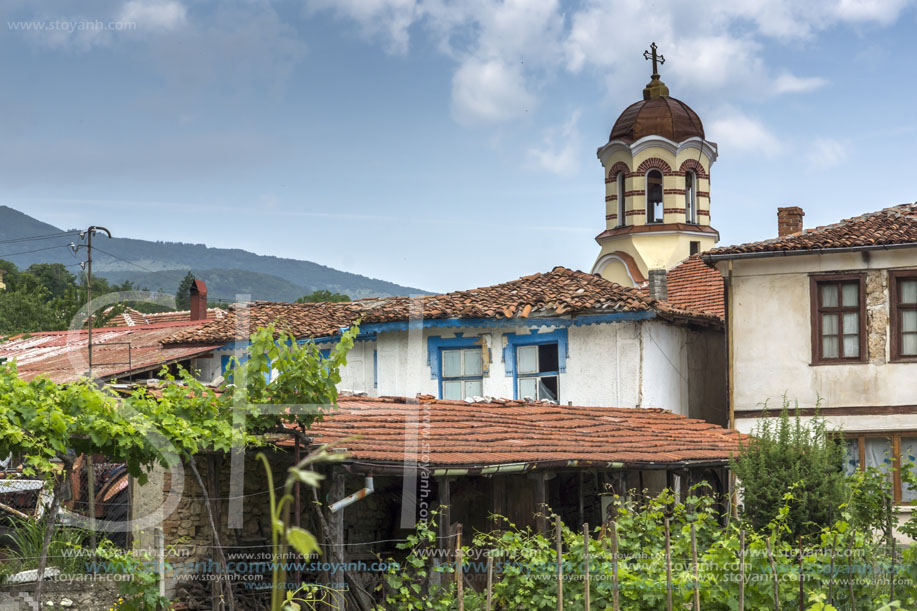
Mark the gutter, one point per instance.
(356, 496)
(398, 469)
(708, 259)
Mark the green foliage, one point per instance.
(525, 564)
(141, 591)
(183, 294)
(323, 295)
(25, 539)
(786, 454)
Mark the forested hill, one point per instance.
(155, 265)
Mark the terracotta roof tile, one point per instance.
(457, 433)
(895, 225)
(559, 292)
(693, 285)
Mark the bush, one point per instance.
(786, 454)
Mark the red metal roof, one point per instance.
(64, 357)
(455, 433)
(131, 317)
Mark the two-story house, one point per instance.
(828, 317)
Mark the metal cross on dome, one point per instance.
(656, 58)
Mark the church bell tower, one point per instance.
(657, 186)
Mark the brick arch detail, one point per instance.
(695, 166)
(654, 163)
(620, 166)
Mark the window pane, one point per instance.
(909, 291)
(828, 295)
(852, 461)
(851, 323)
(850, 294)
(909, 344)
(473, 388)
(547, 388)
(908, 461)
(829, 324)
(829, 347)
(452, 363)
(527, 359)
(527, 388)
(851, 346)
(909, 321)
(879, 452)
(472, 362)
(452, 390)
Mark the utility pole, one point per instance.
(89, 233)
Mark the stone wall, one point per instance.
(78, 595)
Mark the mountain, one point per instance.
(161, 265)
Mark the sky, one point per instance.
(440, 145)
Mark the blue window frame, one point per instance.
(458, 366)
(535, 362)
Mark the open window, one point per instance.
(537, 369)
(622, 220)
(463, 375)
(654, 209)
(690, 197)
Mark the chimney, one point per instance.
(659, 287)
(198, 300)
(789, 220)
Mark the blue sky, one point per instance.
(438, 144)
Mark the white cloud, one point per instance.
(158, 14)
(790, 83)
(880, 11)
(827, 153)
(388, 20)
(560, 149)
(488, 92)
(738, 133)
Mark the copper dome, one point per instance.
(658, 116)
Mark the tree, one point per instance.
(183, 294)
(788, 456)
(54, 277)
(323, 295)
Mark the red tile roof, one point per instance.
(560, 292)
(63, 355)
(131, 317)
(693, 285)
(895, 225)
(456, 433)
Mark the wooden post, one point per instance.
(853, 600)
(695, 569)
(802, 591)
(91, 485)
(770, 558)
(615, 605)
(337, 490)
(490, 580)
(668, 567)
(586, 563)
(558, 541)
(831, 570)
(540, 504)
(741, 570)
(891, 576)
(459, 569)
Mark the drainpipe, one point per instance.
(356, 496)
(730, 348)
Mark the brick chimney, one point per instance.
(659, 286)
(789, 220)
(198, 300)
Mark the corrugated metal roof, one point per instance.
(64, 356)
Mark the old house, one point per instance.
(828, 317)
(562, 336)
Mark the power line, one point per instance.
(26, 252)
(123, 259)
(40, 237)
